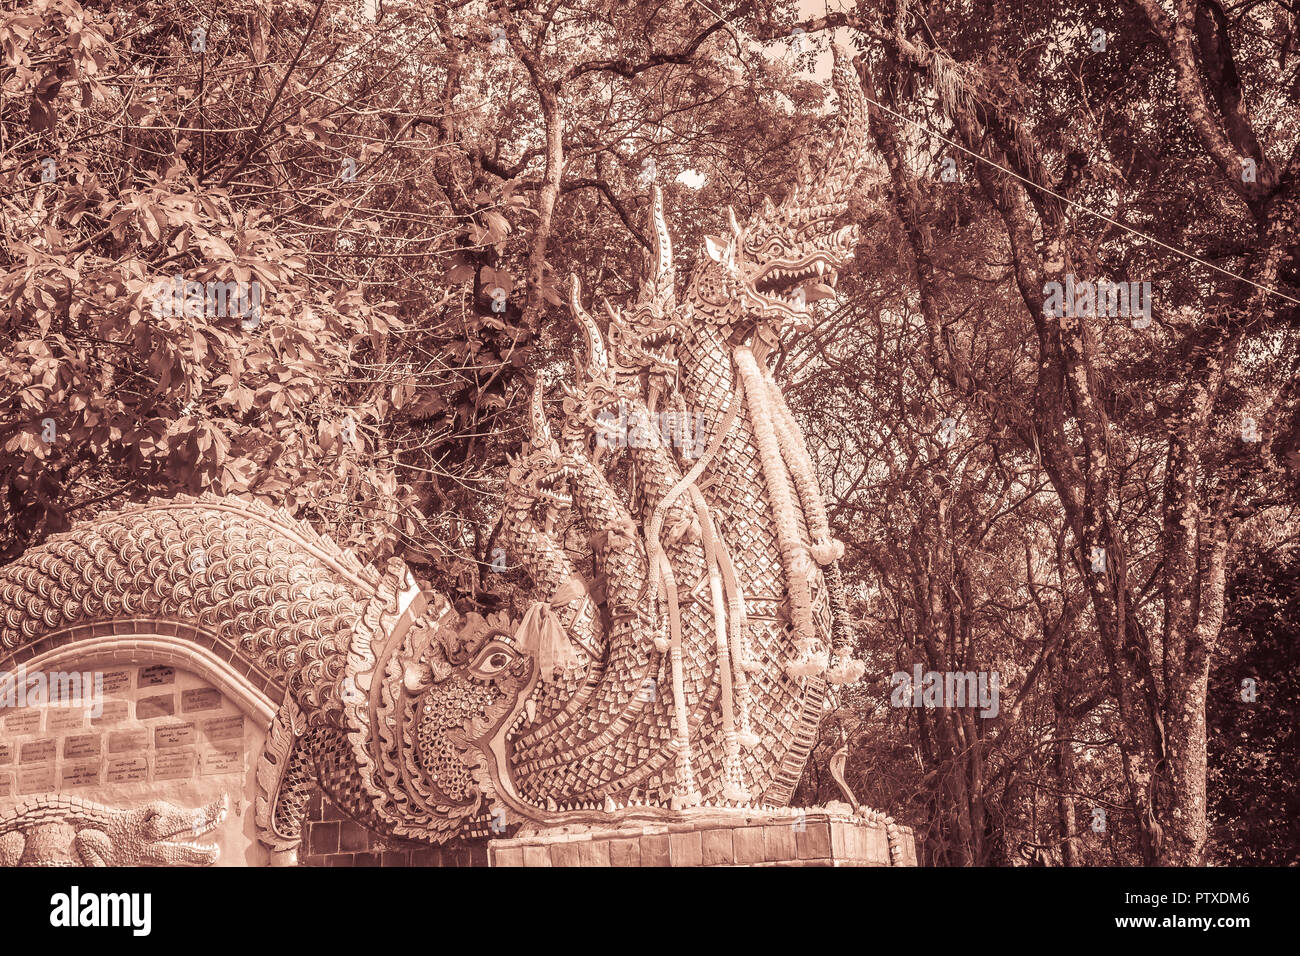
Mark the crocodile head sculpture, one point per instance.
(69, 831)
(165, 834)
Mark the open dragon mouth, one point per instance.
(798, 283)
(553, 488)
(191, 851)
(660, 346)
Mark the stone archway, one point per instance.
(170, 718)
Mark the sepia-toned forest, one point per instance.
(1099, 508)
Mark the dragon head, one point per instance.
(448, 688)
(643, 341)
(642, 338)
(788, 256)
(541, 472)
(471, 696)
(426, 693)
(159, 834)
(602, 388)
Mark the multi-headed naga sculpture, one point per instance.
(688, 666)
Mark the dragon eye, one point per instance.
(492, 659)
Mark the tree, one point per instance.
(1158, 440)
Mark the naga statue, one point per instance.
(685, 664)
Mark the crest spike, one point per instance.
(539, 429)
(735, 226)
(609, 309)
(597, 361)
(664, 278)
(850, 145)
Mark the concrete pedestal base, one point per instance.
(713, 837)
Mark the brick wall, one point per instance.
(775, 839)
(331, 839)
(787, 838)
